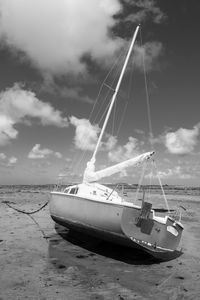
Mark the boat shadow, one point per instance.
(117, 252)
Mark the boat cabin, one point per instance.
(94, 191)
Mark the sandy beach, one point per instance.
(65, 266)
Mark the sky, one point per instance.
(54, 57)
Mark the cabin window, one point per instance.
(66, 191)
(73, 190)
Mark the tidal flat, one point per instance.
(41, 260)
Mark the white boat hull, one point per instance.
(116, 222)
(87, 212)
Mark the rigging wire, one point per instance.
(78, 162)
(144, 166)
(113, 119)
(122, 117)
(162, 189)
(150, 182)
(147, 96)
(115, 65)
(127, 99)
(105, 84)
(151, 136)
(82, 157)
(124, 106)
(131, 77)
(120, 57)
(116, 73)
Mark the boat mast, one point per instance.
(115, 95)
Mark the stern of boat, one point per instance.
(154, 234)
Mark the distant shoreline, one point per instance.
(125, 185)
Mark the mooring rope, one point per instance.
(29, 214)
(23, 211)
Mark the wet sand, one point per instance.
(74, 266)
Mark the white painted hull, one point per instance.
(116, 222)
(86, 212)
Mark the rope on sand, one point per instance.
(29, 214)
(23, 211)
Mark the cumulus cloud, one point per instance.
(12, 160)
(144, 9)
(55, 35)
(18, 105)
(182, 141)
(86, 134)
(110, 143)
(58, 37)
(66, 92)
(38, 153)
(121, 153)
(58, 154)
(7, 131)
(149, 52)
(7, 161)
(177, 171)
(2, 156)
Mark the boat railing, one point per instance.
(177, 214)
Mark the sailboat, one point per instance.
(101, 211)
